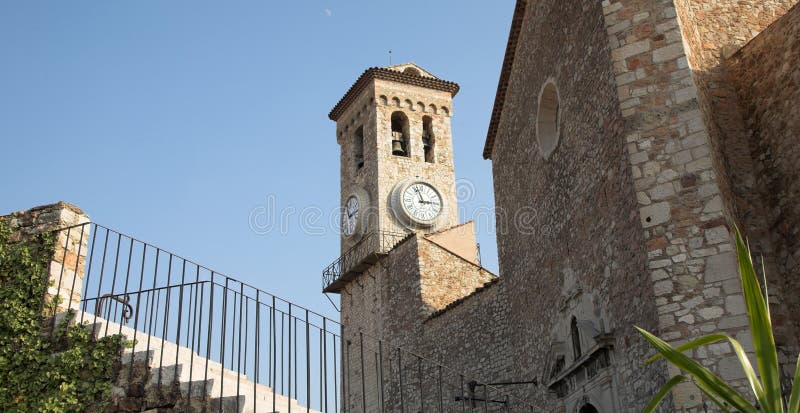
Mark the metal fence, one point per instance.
(263, 346)
(366, 250)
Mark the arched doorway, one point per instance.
(588, 408)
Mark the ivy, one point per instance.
(63, 371)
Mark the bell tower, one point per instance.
(404, 255)
(393, 128)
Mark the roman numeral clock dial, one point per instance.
(353, 213)
(350, 216)
(417, 203)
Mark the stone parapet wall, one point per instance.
(69, 226)
(766, 75)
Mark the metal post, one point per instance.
(290, 358)
(223, 339)
(325, 360)
(421, 394)
(89, 275)
(308, 366)
(400, 370)
(239, 356)
(210, 329)
(113, 280)
(100, 283)
(127, 277)
(256, 350)
(380, 359)
(363, 384)
(485, 398)
(463, 399)
(441, 406)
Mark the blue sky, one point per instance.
(173, 121)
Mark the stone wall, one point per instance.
(683, 191)
(766, 76)
(361, 114)
(70, 246)
(393, 302)
(572, 218)
(712, 32)
(445, 276)
(472, 335)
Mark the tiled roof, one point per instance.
(505, 74)
(391, 75)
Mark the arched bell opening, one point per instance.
(358, 148)
(400, 134)
(428, 139)
(588, 408)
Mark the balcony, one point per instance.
(358, 258)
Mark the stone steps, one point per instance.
(158, 377)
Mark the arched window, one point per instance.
(400, 134)
(588, 408)
(576, 338)
(358, 147)
(428, 139)
(547, 119)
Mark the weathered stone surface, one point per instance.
(721, 267)
(765, 75)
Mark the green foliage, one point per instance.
(766, 388)
(67, 371)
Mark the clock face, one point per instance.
(352, 208)
(421, 202)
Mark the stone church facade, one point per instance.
(627, 139)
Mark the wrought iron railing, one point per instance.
(371, 245)
(276, 348)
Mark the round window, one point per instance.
(547, 125)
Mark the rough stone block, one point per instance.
(654, 214)
(721, 267)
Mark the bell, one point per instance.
(426, 143)
(398, 146)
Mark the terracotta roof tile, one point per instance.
(392, 75)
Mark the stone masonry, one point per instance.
(406, 300)
(689, 250)
(370, 105)
(687, 160)
(764, 73)
(675, 120)
(65, 221)
(570, 240)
